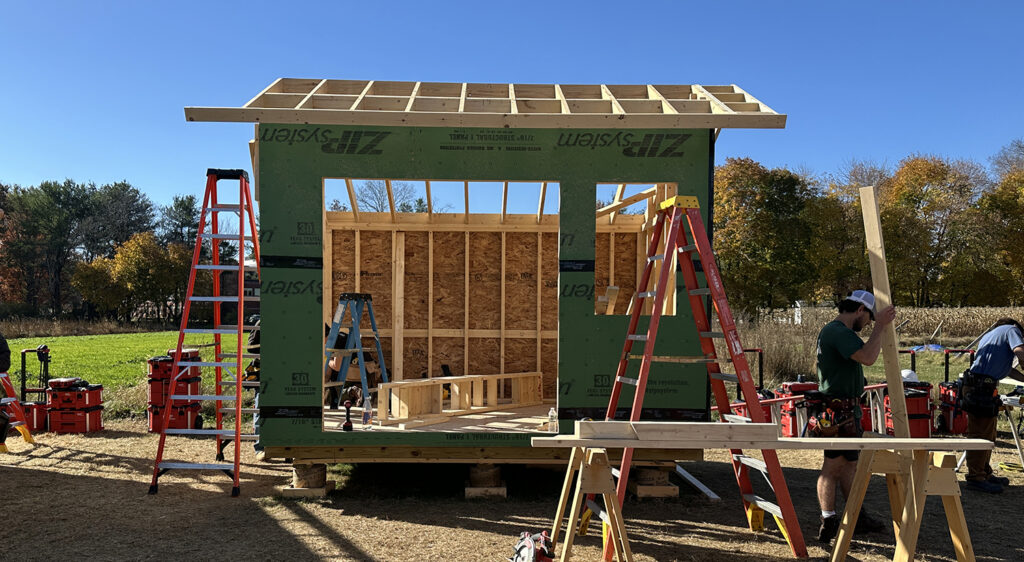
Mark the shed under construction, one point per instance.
(486, 320)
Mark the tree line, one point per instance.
(953, 228)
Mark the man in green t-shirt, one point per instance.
(841, 355)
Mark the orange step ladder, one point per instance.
(229, 373)
(676, 211)
(18, 420)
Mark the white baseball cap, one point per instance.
(865, 298)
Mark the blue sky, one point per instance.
(94, 91)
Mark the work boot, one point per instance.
(1001, 480)
(868, 524)
(984, 486)
(829, 528)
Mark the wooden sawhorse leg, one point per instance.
(927, 474)
(594, 477)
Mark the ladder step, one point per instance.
(627, 380)
(222, 432)
(735, 419)
(711, 335)
(245, 384)
(724, 377)
(208, 331)
(637, 337)
(244, 410)
(244, 355)
(680, 359)
(234, 327)
(208, 364)
(646, 294)
(701, 291)
(230, 298)
(220, 236)
(350, 350)
(224, 208)
(763, 504)
(688, 248)
(194, 466)
(756, 464)
(7, 400)
(615, 472)
(598, 510)
(15, 423)
(656, 257)
(209, 397)
(222, 267)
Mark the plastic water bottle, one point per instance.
(553, 420)
(367, 410)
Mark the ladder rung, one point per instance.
(763, 504)
(701, 291)
(727, 377)
(637, 337)
(245, 384)
(222, 208)
(223, 432)
(735, 419)
(234, 327)
(688, 248)
(211, 397)
(208, 331)
(627, 380)
(656, 257)
(222, 267)
(756, 464)
(244, 410)
(598, 510)
(16, 423)
(331, 384)
(615, 472)
(646, 294)
(208, 364)
(194, 466)
(711, 335)
(351, 350)
(671, 359)
(7, 400)
(220, 236)
(230, 298)
(244, 355)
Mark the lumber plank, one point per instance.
(398, 307)
(800, 443)
(613, 207)
(883, 300)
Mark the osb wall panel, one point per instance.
(485, 280)
(601, 242)
(520, 355)
(449, 281)
(549, 366)
(549, 280)
(415, 358)
(451, 352)
(416, 280)
(520, 281)
(625, 269)
(343, 267)
(375, 271)
(484, 355)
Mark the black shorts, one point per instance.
(851, 456)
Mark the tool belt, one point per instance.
(979, 395)
(831, 417)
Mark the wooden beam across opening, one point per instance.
(645, 194)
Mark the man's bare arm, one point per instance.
(868, 354)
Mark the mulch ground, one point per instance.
(77, 497)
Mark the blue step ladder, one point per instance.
(355, 304)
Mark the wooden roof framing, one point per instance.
(452, 104)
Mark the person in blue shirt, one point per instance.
(996, 351)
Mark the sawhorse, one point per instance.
(593, 475)
(911, 478)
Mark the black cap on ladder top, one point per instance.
(227, 174)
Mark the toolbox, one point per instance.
(789, 421)
(158, 390)
(83, 395)
(182, 417)
(919, 409)
(951, 418)
(86, 420)
(35, 416)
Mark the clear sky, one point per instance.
(94, 91)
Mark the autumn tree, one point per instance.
(761, 234)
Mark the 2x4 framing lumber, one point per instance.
(398, 305)
(619, 191)
(430, 202)
(504, 200)
(540, 206)
(645, 194)
(391, 199)
(352, 198)
(466, 192)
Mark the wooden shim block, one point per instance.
(653, 490)
(883, 300)
(290, 492)
(486, 491)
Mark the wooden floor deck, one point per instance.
(528, 419)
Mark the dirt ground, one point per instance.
(73, 496)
